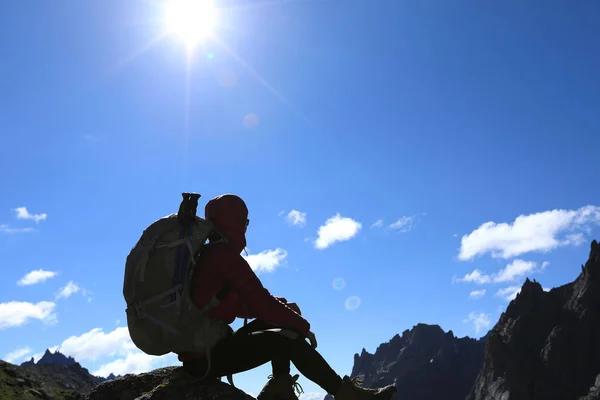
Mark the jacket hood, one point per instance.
(230, 214)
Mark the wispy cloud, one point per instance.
(266, 261)
(22, 213)
(91, 138)
(480, 321)
(403, 224)
(377, 224)
(297, 218)
(67, 290)
(477, 294)
(17, 354)
(7, 229)
(336, 229)
(539, 232)
(511, 273)
(36, 276)
(509, 293)
(17, 313)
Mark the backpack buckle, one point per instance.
(188, 208)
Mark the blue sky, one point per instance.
(468, 129)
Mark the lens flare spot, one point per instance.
(352, 303)
(251, 121)
(339, 283)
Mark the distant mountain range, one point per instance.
(54, 376)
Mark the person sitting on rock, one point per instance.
(221, 265)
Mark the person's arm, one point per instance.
(260, 303)
(242, 310)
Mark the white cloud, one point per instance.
(35, 277)
(476, 277)
(336, 229)
(480, 321)
(528, 233)
(67, 290)
(403, 224)
(377, 224)
(266, 261)
(96, 344)
(7, 229)
(477, 294)
(22, 213)
(116, 345)
(17, 313)
(509, 293)
(512, 272)
(17, 354)
(296, 217)
(518, 269)
(132, 363)
(312, 396)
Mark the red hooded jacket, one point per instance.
(222, 265)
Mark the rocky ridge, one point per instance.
(547, 344)
(423, 363)
(54, 376)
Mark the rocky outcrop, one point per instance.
(56, 358)
(112, 376)
(170, 383)
(424, 363)
(30, 362)
(54, 376)
(547, 344)
(48, 382)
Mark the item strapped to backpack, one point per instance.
(161, 316)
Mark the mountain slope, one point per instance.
(547, 344)
(46, 382)
(424, 363)
(54, 376)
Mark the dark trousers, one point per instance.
(251, 346)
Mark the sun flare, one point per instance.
(192, 21)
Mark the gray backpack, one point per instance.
(161, 316)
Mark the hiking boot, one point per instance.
(281, 387)
(351, 390)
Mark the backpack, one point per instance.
(161, 316)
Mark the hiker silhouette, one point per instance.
(278, 333)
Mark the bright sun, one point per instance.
(192, 20)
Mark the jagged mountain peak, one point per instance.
(424, 362)
(57, 358)
(545, 345)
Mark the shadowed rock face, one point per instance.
(45, 381)
(170, 383)
(547, 344)
(424, 363)
(56, 358)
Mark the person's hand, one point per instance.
(312, 339)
